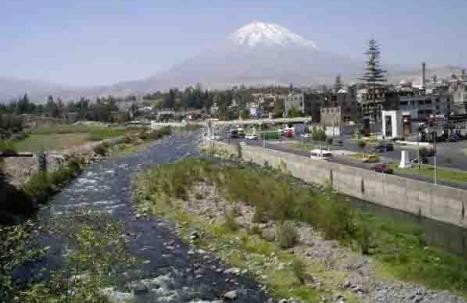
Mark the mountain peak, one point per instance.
(268, 34)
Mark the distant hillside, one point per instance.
(257, 54)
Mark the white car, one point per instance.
(251, 137)
(320, 154)
(306, 135)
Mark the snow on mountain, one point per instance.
(267, 34)
(255, 54)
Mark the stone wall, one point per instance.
(18, 170)
(436, 202)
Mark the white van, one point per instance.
(320, 154)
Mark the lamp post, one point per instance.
(434, 158)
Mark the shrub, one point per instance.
(7, 146)
(299, 270)
(361, 144)
(100, 150)
(230, 222)
(254, 230)
(286, 235)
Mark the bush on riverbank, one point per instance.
(97, 253)
(155, 134)
(400, 249)
(41, 185)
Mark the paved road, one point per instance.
(352, 146)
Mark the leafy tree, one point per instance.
(318, 134)
(244, 114)
(361, 144)
(169, 99)
(293, 112)
(278, 110)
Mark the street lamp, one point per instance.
(434, 158)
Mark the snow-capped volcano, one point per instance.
(268, 34)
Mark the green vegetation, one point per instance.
(427, 171)
(361, 144)
(318, 134)
(35, 143)
(98, 252)
(7, 146)
(41, 185)
(286, 235)
(66, 136)
(399, 249)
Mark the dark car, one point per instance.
(383, 147)
(423, 160)
(382, 168)
(427, 152)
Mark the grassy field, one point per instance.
(446, 174)
(63, 137)
(399, 249)
(34, 143)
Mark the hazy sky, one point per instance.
(93, 42)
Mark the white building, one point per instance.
(458, 88)
(294, 101)
(392, 122)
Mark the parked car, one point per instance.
(306, 135)
(320, 154)
(423, 160)
(382, 168)
(384, 147)
(427, 152)
(237, 133)
(251, 137)
(453, 138)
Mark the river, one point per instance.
(171, 273)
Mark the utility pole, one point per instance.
(418, 148)
(434, 158)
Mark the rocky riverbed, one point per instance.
(171, 271)
(359, 271)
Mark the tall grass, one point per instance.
(400, 248)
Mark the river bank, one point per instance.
(367, 264)
(97, 208)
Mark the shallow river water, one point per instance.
(171, 272)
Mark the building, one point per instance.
(423, 103)
(294, 102)
(311, 104)
(346, 100)
(372, 102)
(458, 89)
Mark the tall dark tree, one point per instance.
(338, 83)
(374, 75)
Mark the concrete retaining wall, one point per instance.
(436, 202)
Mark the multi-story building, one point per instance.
(295, 101)
(423, 103)
(311, 104)
(346, 100)
(372, 102)
(458, 89)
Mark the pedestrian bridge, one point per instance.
(215, 122)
